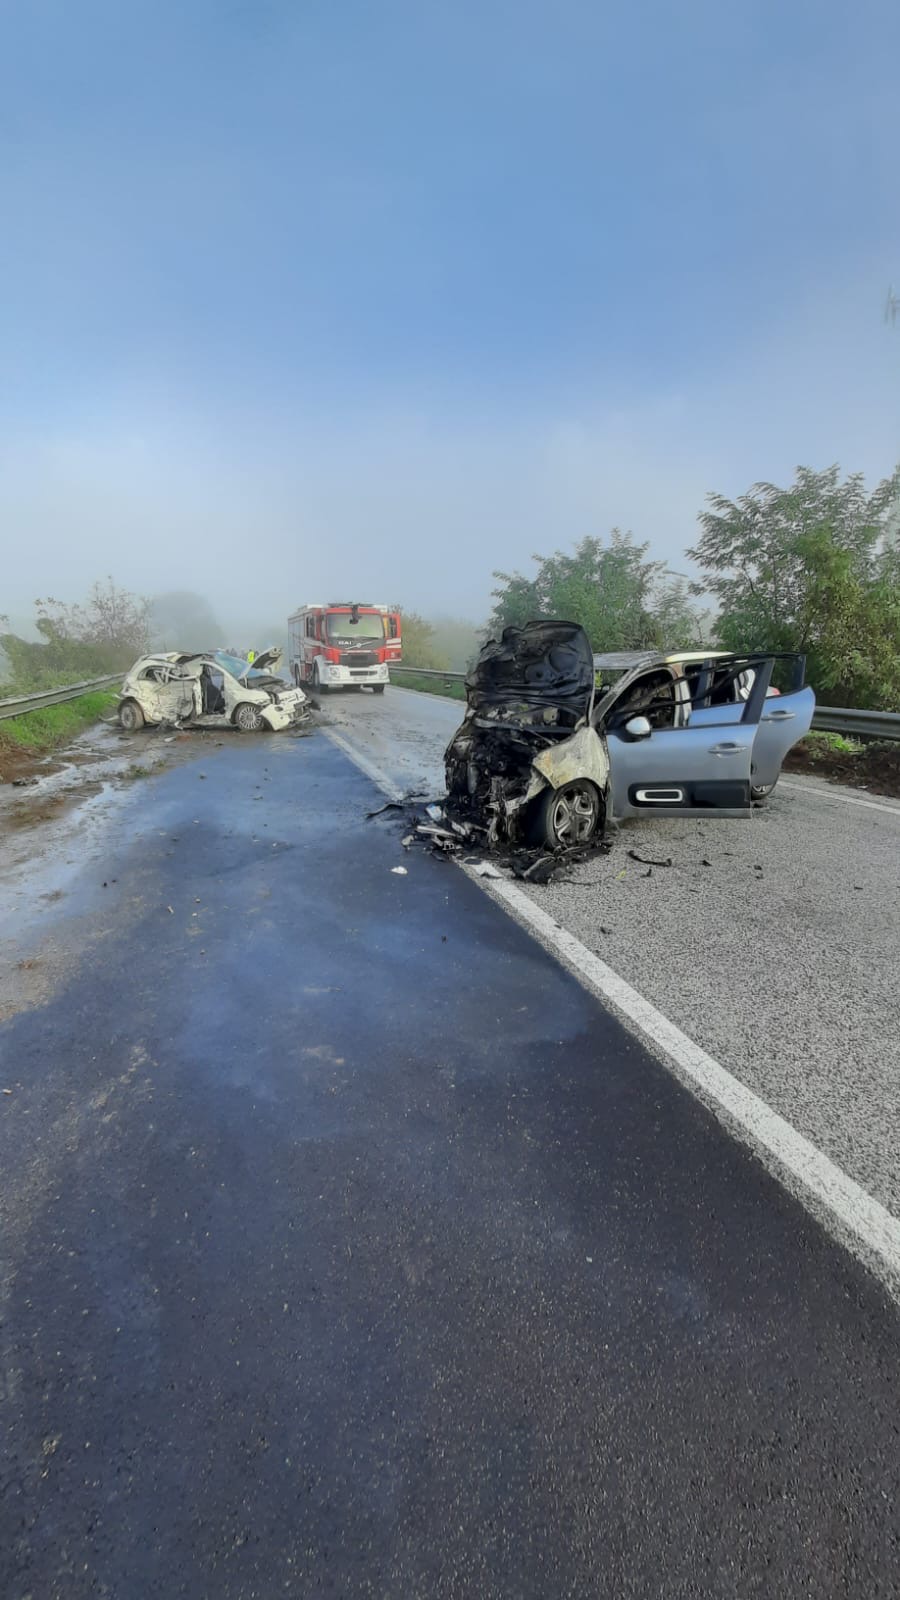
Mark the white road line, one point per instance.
(859, 1220)
(378, 777)
(846, 799)
(815, 1176)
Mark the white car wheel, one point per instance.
(247, 718)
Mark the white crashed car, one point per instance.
(214, 690)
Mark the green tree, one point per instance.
(677, 624)
(456, 640)
(419, 648)
(110, 619)
(103, 635)
(622, 600)
(813, 567)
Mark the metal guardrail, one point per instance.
(857, 724)
(826, 719)
(18, 704)
(428, 672)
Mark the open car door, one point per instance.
(785, 719)
(696, 769)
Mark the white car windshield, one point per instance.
(236, 665)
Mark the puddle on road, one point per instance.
(31, 811)
(50, 830)
(56, 827)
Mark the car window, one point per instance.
(652, 695)
(232, 664)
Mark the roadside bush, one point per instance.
(102, 636)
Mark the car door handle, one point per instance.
(779, 716)
(725, 749)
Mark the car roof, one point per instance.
(625, 660)
(700, 655)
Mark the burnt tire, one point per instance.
(131, 717)
(565, 818)
(247, 718)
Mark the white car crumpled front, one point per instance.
(212, 690)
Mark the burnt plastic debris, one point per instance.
(649, 861)
(528, 691)
(526, 732)
(470, 843)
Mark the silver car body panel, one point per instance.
(695, 771)
(784, 720)
(708, 762)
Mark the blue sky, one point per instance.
(401, 291)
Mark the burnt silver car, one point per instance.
(555, 740)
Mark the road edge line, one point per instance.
(843, 799)
(381, 779)
(863, 1223)
(795, 1160)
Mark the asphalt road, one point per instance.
(772, 943)
(351, 1248)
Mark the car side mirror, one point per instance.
(638, 728)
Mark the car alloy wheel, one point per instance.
(247, 718)
(569, 816)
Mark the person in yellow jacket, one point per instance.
(251, 657)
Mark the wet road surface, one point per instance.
(351, 1248)
(771, 942)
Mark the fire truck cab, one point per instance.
(345, 644)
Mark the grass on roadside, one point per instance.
(448, 691)
(39, 731)
(821, 745)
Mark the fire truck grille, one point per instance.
(358, 658)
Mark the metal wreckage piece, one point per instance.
(526, 732)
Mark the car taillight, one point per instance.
(331, 654)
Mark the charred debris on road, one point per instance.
(527, 774)
(438, 828)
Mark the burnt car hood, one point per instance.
(526, 728)
(540, 664)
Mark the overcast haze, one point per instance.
(339, 298)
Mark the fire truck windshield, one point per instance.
(341, 629)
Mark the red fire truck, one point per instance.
(343, 644)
